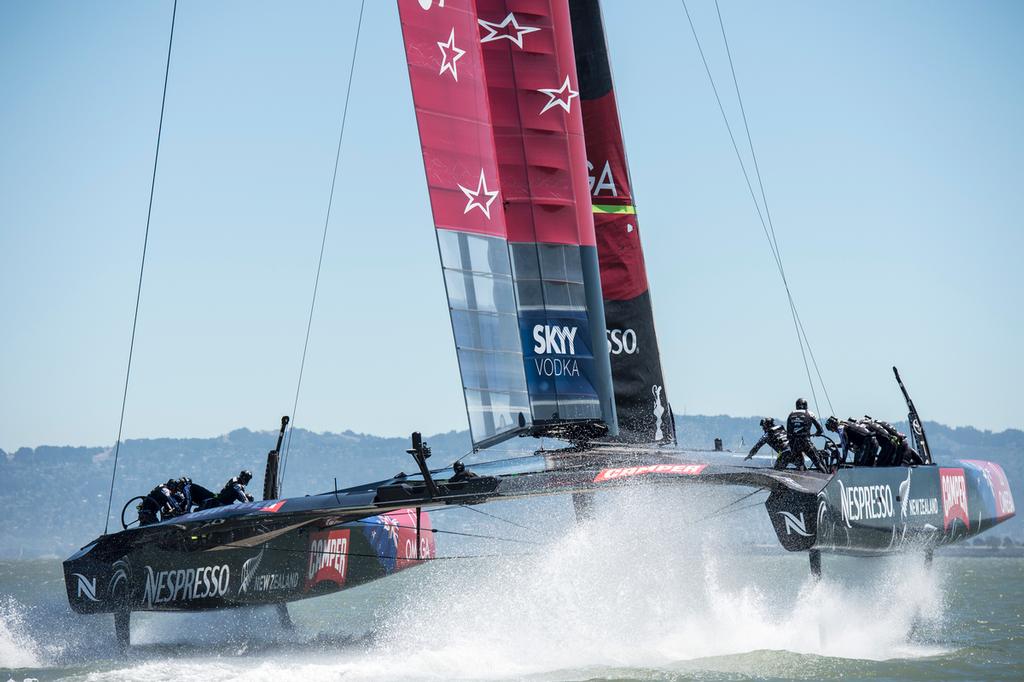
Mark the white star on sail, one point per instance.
(474, 197)
(562, 97)
(493, 29)
(449, 55)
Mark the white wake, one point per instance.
(645, 586)
(17, 648)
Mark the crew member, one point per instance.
(461, 473)
(888, 439)
(906, 455)
(192, 496)
(775, 437)
(234, 490)
(798, 428)
(853, 436)
(159, 504)
(894, 448)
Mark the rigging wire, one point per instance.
(450, 557)
(767, 210)
(142, 269)
(724, 509)
(769, 233)
(495, 516)
(721, 511)
(323, 244)
(745, 507)
(453, 532)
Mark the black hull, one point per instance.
(277, 551)
(181, 572)
(878, 511)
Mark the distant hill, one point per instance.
(54, 498)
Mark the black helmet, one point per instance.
(832, 424)
(801, 404)
(172, 484)
(767, 423)
(245, 476)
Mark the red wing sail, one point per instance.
(538, 126)
(450, 95)
(640, 398)
(512, 213)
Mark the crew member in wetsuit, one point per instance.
(191, 496)
(888, 439)
(798, 428)
(894, 449)
(234, 490)
(159, 504)
(775, 437)
(461, 473)
(906, 455)
(854, 436)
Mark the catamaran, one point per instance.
(551, 314)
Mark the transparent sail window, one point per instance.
(486, 331)
(548, 276)
(487, 370)
(566, 407)
(483, 292)
(494, 412)
(476, 253)
(485, 321)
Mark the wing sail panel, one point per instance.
(482, 303)
(494, 88)
(640, 397)
(453, 113)
(533, 91)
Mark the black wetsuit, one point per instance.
(192, 495)
(855, 437)
(775, 438)
(159, 504)
(798, 428)
(233, 491)
(907, 455)
(888, 439)
(894, 448)
(461, 474)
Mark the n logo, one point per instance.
(795, 524)
(86, 587)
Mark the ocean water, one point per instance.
(642, 592)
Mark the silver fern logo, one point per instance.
(249, 569)
(904, 498)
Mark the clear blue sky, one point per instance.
(889, 134)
